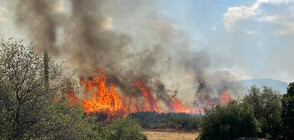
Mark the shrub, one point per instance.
(229, 122)
(125, 129)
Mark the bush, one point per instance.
(125, 129)
(186, 123)
(62, 121)
(229, 122)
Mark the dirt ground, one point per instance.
(170, 135)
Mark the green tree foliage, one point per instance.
(288, 112)
(31, 110)
(63, 121)
(118, 129)
(229, 122)
(125, 129)
(267, 110)
(101, 132)
(27, 111)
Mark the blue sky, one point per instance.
(253, 39)
(254, 48)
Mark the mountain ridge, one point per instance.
(260, 83)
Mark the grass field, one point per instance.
(170, 135)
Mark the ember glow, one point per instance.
(101, 98)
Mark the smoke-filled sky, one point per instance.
(245, 38)
(252, 38)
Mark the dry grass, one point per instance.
(170, 135)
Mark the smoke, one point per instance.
(125, 38)
(40, 21)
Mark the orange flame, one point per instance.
(175, 105)
(225, 97)
(104, 100)
(150, 101)
(104, 97)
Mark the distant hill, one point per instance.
(275, 84)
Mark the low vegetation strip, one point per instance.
(176, 121)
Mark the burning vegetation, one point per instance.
(101, 98)
(91, 34)
(134, 48)
(104, 99)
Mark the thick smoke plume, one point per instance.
(125, 38)
(40, 21)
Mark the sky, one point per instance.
(249, 38)
(252, 38)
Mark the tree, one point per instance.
(288, 112)
(267, 110)
(27, 110)
(126, 129)
(229, 122)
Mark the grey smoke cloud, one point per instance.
(40, 21)
(138, 44)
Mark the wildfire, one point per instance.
(175, 105)
(150, 103)
(102, 99)
(225, 97)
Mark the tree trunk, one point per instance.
(46, 70)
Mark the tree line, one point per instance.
(263, 113)
(155, 120)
